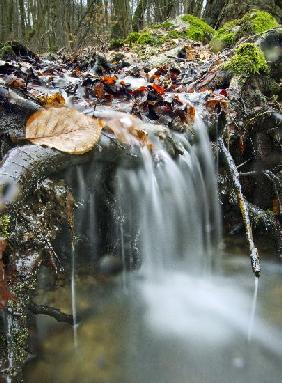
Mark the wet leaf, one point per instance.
(109, 80)
(276, 208)
(16, 83)
(159, 89)
(212, 103)
(64, 129)
(55, 99)
(99, 90)
(128, 130)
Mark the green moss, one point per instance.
(146, 38)
(116, 43)
(259, 21)
(6, 51)
(248, 59)
(197, 29)
(174, 34)
(5, 226)
(167, 25)
(164, 25)
(253, 22)
(132, 38)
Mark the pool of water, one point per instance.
(180, 328)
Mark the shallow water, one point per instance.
(188, 330)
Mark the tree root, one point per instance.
(52, 312)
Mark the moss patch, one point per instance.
(198, 30)
(248, 59)
(5, 226)
(253, 22)
(186, 27)
(6, 51)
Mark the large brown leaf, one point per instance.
(64, 129)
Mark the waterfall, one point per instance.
(176, 206)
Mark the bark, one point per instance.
(138, 18)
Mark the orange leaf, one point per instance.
(109, 80)
(159, 89)
(190, 113)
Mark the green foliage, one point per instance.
(132, 37)
(174, 34)
(253, 22)
(165, 25)
(116, 43)
(248, 59)
(146, 38)
(5, 226)
(158, 34)
(259, 21)
(197, 29)
(5, 51)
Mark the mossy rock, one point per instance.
(198, 29)
(247, 60)
(146, 37)
(253, 22)
(165, 25)
(185, 27)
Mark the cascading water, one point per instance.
(176, 207)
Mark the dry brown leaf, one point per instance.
(64, 129)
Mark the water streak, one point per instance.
(253, 311)
(73, 296)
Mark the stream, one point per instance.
(182, 329)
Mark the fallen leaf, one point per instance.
(109, 80)
(276, 208)
(16, 83)
(99, 90)
(64, 129)
(159, 89)
(55, 99)
(128, 130)
(212, 103)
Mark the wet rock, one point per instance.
(110, 265)
(271, 44)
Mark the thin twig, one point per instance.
(243, 205)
